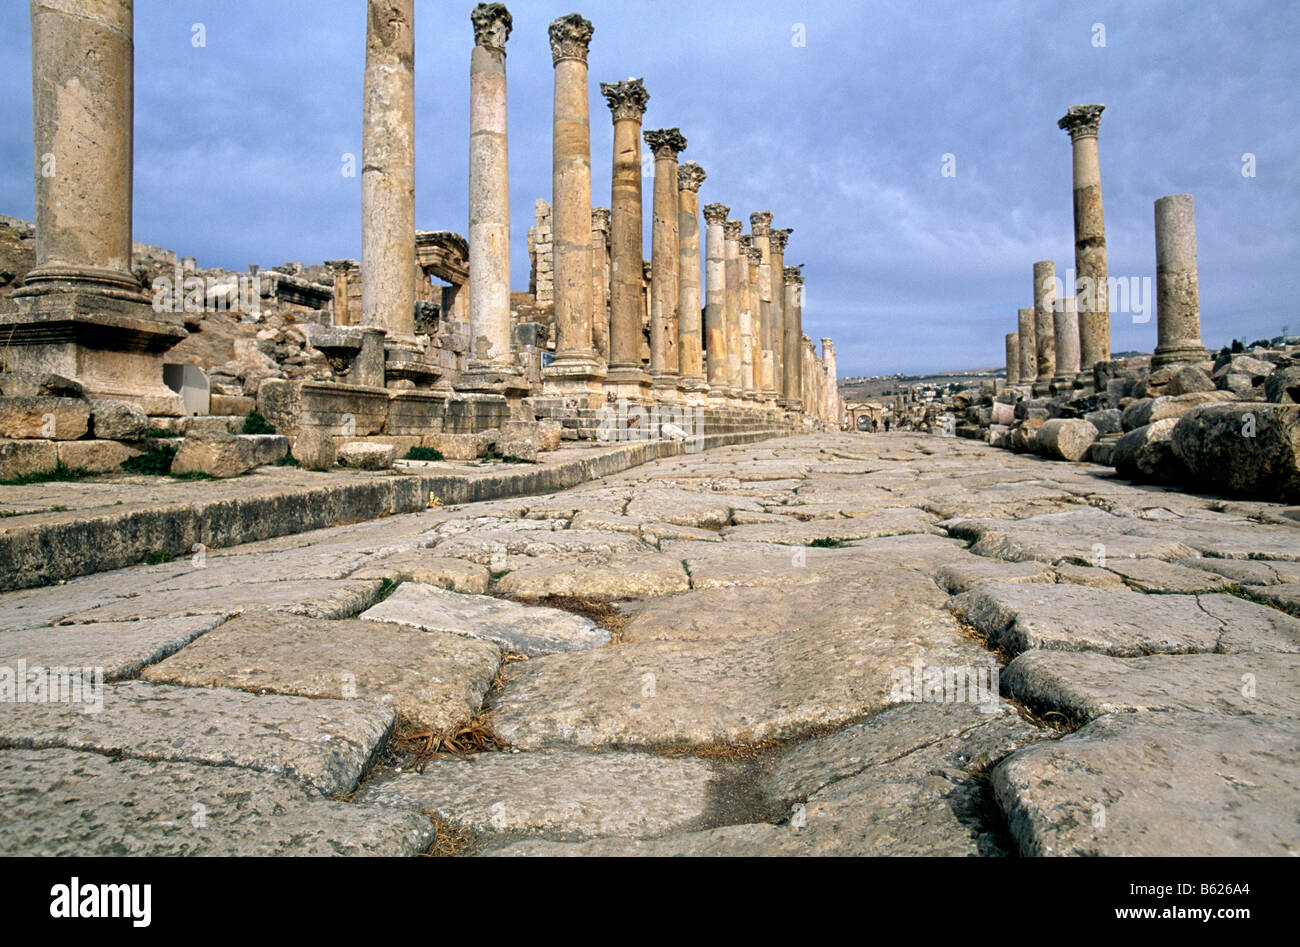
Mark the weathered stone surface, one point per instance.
(95, 456)
(367, 456)
(118, 420)
(228, 455)
(601, 580)
(1283, 386)
(491, 547)
(1146, 453)
(1146, 411)
(63, 802)
(1066, 439)
(60, 419)
(964, 576)
(1285, 596)
(1072, 535)
(435, 680)
(314, 448)
(561, 795)
(461, 446)
(1188, 379)
(1157, 784)
(426, 568)
(1082, 686)
(1106, 421)
(898, 522)
(1242, 448)
(1091, 576)
(527, 629)
(1154, 575)
(21, 458)
(682, 508)
(315, 598)
(1122, 623)
(120, 648)
(324, 744)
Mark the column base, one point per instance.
(92, 281)
(1178, 353)
(406, 364)
(695, 391)
(112, 346)
(507, 381)
(625, 383)
(577, 379)
(666, 388)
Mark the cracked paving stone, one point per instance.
(488, 546)
(895, 522)
(564, 795)
(963, 576)
(601, 580)
(324, 744)
(1154, 575)
(1083, 686)
(1123, 623)
(435, 680)
(527, 629)
(65, 802)
(315, 598)
(120, 648)
(422, 566)
(1169, 784)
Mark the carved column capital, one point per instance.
(666, 142)
(492, 24)
(716, 213)
(780, 237)
(570, 38)
(600, 217)
(627, 99)
(760, 223)
(690, 176)
(755, 256)
(794, 275)
(1081, 121)
(733, 229)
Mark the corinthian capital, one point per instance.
(760, 223)
(1081, 121)
(794, 274)
(666, 142)
(780, 237)
(627, 99)
(732, 229)
(746, 241)
(600, 217)
(716, 213)
(492, 25)
(690, 176)
(570, 37)
(755, 256)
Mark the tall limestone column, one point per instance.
(1044, 325)
(1178, 304)
(388, 170)
(834, 408)
(626, 379)
(785, 347)
(575, 373)
(491, 364)
(1028, 347)
(690, 340)
(793, 317)
(760, 359)
(80, 311)
(1090, 272)
(665, 366)
(760, 227)
(1013, 359)
(731, 230)
(600, 281)
(715, 295)
(1065, 323)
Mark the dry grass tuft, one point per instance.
(413, 748)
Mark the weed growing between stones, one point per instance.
(413, 747)
(192, 475)
(156, 461)
(827, 542)
(254, 423)
(449, 841)
(423, 453)
(501, 678)
(161, 432)
(386, 588)
(601, 613)
(1241, 592)
(288, 460)
(157, 558)
(60, 474)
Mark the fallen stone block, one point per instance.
(367, 456)
(118, 420)
(1066, 439)
(228, 455)
(1283, 386)
(1146, 454)
(1174, 784)
(1242, 449)
(314, 448)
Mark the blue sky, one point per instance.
(239, 143)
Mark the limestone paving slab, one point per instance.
(435, 680)
(315, 598)
(1122, 623)
(1083, 686)
(324, 744)
(891, 522)
(486, 547)
(121, 649)
(526, 629)
(563, 795)
(65, 802)
(1180, 784)
(603, 579)
(963, 576)
(1155, 575)
(427, 568)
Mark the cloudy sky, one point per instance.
(836, 116)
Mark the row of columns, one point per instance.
(1059, 342)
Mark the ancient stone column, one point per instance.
(1044, 326)
(1013, 359)
(759, 357)
(388, 169)
(489, 198)
(793, 318)
(600, 281)
(575, 372)
(626, 379)
(690, 339)
(1065, 324)
(715, 282)
(834, 411)
(1090, 272)
(786, 347)
(666, 143)
(731, 230)
(1178, 305)
(760, 228)
(1028, 347)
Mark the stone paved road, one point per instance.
(830, 644)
